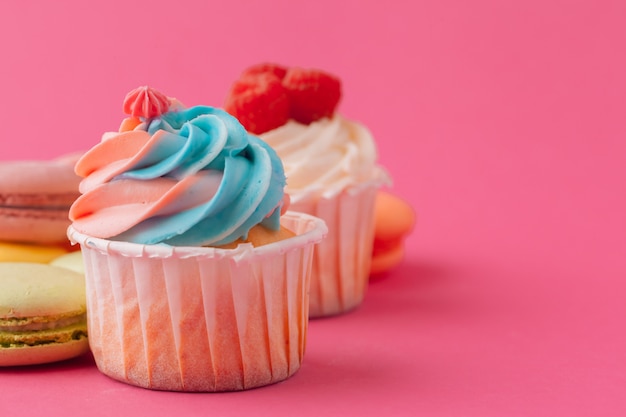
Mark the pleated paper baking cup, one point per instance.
(341, 263)
(200, 319)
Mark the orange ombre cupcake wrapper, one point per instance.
(200, 319)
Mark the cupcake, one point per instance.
(197, 279)
(331, 169)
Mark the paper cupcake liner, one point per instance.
(200, 319)
(341, 262)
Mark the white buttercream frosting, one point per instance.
(325, 157)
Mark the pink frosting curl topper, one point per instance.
(146, 102)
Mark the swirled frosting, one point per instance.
(188, 177)
(325, 157)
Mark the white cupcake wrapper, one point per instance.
(341, 263)
(200, 319)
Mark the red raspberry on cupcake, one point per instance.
(259, 101)
(264, 68)
(267, 95)
(313, 94)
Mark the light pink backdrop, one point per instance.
(502, 122)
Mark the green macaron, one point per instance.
(42, 314)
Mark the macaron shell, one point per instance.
(34, 289)
(39, 354)
(22, 252)
(39, 293)
(33, 225)
(71, 260)
(54, 176)
(384, 261)
(394, 219)
(35, 197)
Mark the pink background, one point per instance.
(503, 124)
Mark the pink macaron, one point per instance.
(35, 197)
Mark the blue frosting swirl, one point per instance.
(180, 144)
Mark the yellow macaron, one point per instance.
(24, 252)
(70, 260)
(42, 314)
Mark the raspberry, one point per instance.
(313, 94)
(259, 102)
(266, 67)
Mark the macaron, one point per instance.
(394, 220)
(27, 252)
(70, 260)
(42, 314)
(35, 197)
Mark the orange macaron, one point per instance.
(394, 219)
